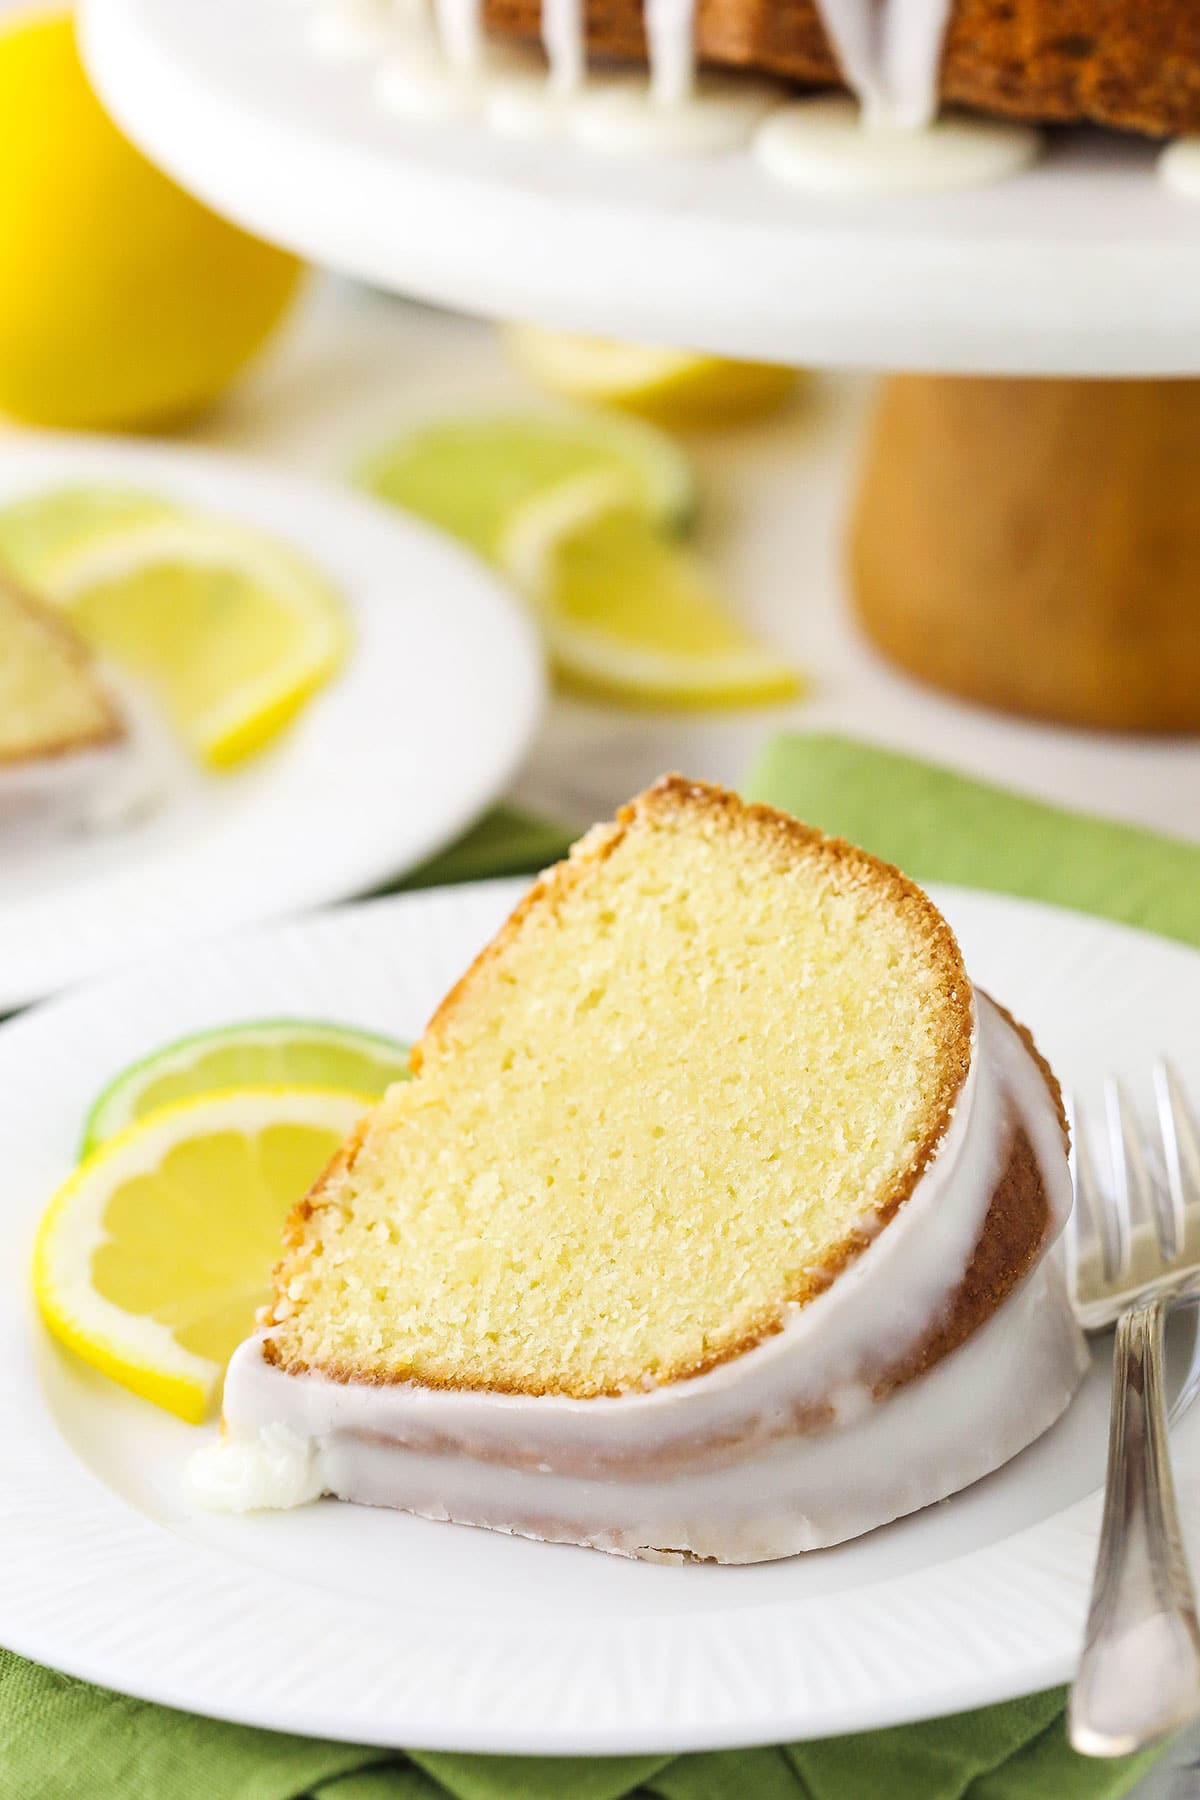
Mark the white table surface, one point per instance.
(355, 367)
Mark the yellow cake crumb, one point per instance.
(707, 1056)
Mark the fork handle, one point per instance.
(1140, 1673)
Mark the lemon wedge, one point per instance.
(674, 387)
(258, 1053)
(470, 475)
(153, 1258)
(232, 629)
(627, 613)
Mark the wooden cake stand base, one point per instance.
(1035, 544)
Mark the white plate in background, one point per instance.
(421, 728)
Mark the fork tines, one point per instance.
(1147, 1208)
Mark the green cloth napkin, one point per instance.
(504, 842)
(942, 826)
(61, 1739)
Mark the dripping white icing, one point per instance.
(820, 145)
(440, 67)
(889, 53)
(1179, 167)
(563, 41)
(623, 116)
(914, 31)
(670, 41)
(459, 28)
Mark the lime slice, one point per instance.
(232, 629)
(470, 475)
(628, 614)
(675, 387)
(260, 1053)
(39, 529)
(154, 1257)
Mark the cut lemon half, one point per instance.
(629, 615)
(675, 387)
(233, 630)
(153, 1258)
(469, 476)
(259, 1053)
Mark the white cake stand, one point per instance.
(1085, 265)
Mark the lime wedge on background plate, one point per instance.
(676, 387)
(470, 475)
(39, 528)
(629, 614)
(258, 1053)
(153, 1258)
(233, 630)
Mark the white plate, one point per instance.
(373, 1627)
(424, 725)
(1086, 264)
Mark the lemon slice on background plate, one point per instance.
(233, 630)
(470, 475)
(676, 387)
(38, 529)
(258, 1053)
(153, 1258)
(629, 614)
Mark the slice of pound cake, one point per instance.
(714, 1222)
(52, 705)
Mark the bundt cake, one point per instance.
(1119, 63)
(714, 1222)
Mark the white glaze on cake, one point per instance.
(1179, 167)
(562, 40)
(889, 53)
(439, 67)
(782, 1449)
(461, 34)
(622, 116)
(91, 792)
(822, 145)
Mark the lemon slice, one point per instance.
(233, 630)
(260, 1053)
(469, 476)
(153, 1258)
(676, 387)
(39, 529)
(628, 614)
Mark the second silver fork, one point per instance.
(1133, 1249)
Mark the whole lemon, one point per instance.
(123, 301)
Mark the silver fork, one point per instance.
(1133, 1249)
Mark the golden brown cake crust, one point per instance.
(671, 797)
(108, 729)
(1133, 64)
